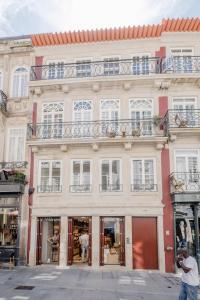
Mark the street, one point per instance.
(53, 283)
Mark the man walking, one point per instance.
(190, 276)
(84, 242)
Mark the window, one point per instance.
(81, 176)
(20, 82)
(52, 115)
(56, 70)
(181, 60)
(82, 115)
(143, 175)
(50, 176)
(109, 116)
(8, 226)
(16, 145)
(110, 175)
(111, 66)
(141, 65)
(83, 68)
(184, 114)
(141, 111)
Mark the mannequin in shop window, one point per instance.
(84, 242)
(184, 234)
(54, 242)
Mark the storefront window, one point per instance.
(112, 241)
(8, 226)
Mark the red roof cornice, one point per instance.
(115, 34)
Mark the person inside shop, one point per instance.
(181, 234)
(54, 240)
(190, 276)
(84, 242)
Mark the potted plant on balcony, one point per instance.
(136, 132)
(156, 123)
(180, 122)
(111, 133)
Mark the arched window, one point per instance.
(141, 111)
(109, 110)
(20, 82)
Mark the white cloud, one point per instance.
(86, 14)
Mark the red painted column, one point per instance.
(38, 67)
(31, 184)
(168, 225)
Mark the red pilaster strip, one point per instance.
(38, 67)
(166, 199)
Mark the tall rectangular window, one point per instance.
(110, 175)
(184, 112)
(111, 66)
(81, 176)
(83, 68)
(181, 60)
(56, 70)
(50, 176)
(143, 175)
(16, 147)
(141, 65)
(52, 118)
(82, 116)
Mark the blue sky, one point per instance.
(21, 17)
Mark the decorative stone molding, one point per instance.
(65, 88)
(38, 91)
(167, 146)
(127, 146)
(34, 149)
(159, 146)
(64, 148)
(95, 147)
(172, 138)
(96, 87)
(127, 86)
(162, 84)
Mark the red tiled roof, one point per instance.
(114, 34)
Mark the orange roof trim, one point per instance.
(115, 34)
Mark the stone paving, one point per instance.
(76, 283)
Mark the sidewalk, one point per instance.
(54, 283)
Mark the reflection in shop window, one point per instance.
(8, 226)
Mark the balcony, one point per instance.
(181, 120)
(148, 187)
(3, 102)
(83, 188)
(111, 67)
(49, 188)
(13, 165)
(183, 182)
(12, 182)
(181, 64)
(111, 188)
(144, 128)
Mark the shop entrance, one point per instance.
(79, 240)
(145, 245)
(48, 240)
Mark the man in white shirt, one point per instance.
(190, 275)
(84, 242)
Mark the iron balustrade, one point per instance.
(111, 187)
(83, 188)
(13, 165)
(49, 188)
(109, 67)
(181, 64)
(3, 101)
(184, 182)
(147, 187)
(181, 118)
(92, 129)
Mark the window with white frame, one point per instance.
(141, 65)
(16, 144)
(141, 113)
(56, 70)
(184, 112)
(110, 175)
(82, 117)
(81, 176)
(143, 175)
(20, 82)
(111, 66)
(182, 59)
(83, 68)
(50, 176)
(110, 116)
(52, 119)
(187, 166)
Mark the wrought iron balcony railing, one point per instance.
(181, 118)
(13, 165)
(148, 187)
(181, 64)
(184, 182)
(111, 187)
(49, 188)
(3, 101)
(83, 188)
(93, 129)
(109, 67)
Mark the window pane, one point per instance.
(8, 226)
(86, 173)
(149, 174)
(115, 174)
(137, 174)
(76, 173)
(105, 174)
